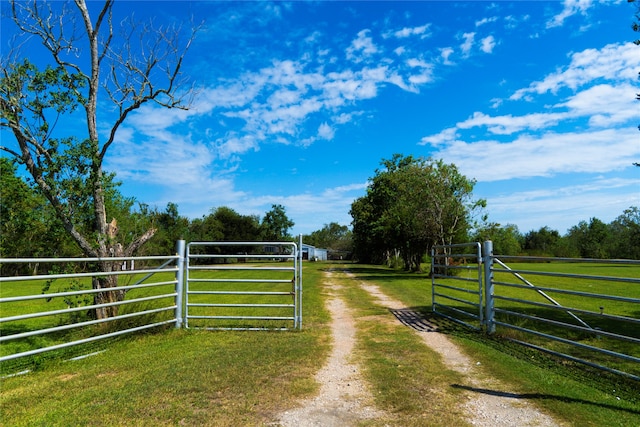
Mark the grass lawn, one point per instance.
(228, 378)
(571, 393)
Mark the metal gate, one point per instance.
(456, 283)
(243, 286)
(564, 307)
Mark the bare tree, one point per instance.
(636, 27)
(131, 64)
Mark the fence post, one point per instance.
(487, 260)
(179, 282)
(299, 284)
(433, 279)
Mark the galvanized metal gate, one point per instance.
(456, 283)
(243, 286)
(577, 314)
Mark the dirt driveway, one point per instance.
(344, 397)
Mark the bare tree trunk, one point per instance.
(132, 78)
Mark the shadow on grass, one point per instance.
(542, 396)
(422, 319)
(415, 320)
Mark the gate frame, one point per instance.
(489, 323)
(295, 256)
(446, 256)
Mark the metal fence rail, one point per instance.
(248, 289)
(34, 319)
(585, 317)
(453, 295)
(563, 306)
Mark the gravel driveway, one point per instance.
(344, 397)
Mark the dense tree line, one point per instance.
(29, 228)
(588, 239)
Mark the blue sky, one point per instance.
(298, 102)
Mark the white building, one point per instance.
(312, 253)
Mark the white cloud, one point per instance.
(309, 210)
(466, 46)
(408, 32)
(445, 53)
(617, 62)
(509, 124)
(592, 130)
(343, 118)
(485, 21)
(362, 47)
(605, 105)
(233, 144)
(570, 8)
(147, 162)
(275, 102)
(444, 137)
(326, 132)
(544, 155)
(487, 44)
(564, 207)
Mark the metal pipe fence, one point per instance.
(256, 288)
(583, 310)
(456, 283)
(57, 310)
(42, 313)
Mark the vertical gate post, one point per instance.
(180, 251)
(299, 282)
(433, 279)
(487, 260)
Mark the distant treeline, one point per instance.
(28, 228)
(593, 239)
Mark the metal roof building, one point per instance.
(312, 253)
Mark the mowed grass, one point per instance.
(79, 313)
(572, 393)
(408, 379)
(228, 378)
(178, 377)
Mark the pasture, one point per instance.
(171, 377)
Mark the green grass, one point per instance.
(35, 287)
(408, 379)
(585, 311)
(262, 278)
(579, 396)
(190, 377)
(177, 377)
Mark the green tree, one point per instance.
(542, 242)
(170, 226)
(592, 238)
(237, 227)
(369, 246)
(411, 205)
(506, 239)
(28, 227)
(275, 225)
(625, 233)
(142, 67)
(334, 237)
